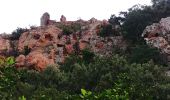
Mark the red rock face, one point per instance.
(47, 45)
(20, 61)
(158, 35)
(43, 44)
(39, 38)
(69, 48)
(38, 61)
(4, 45)
(83, 45)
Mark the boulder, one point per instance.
(63, 18)
(20, 61)
(158, 35)
(38, 61)
(5, 46)
(93, 20)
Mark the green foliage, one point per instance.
(10, 61)
(138, 17)
(69, 29)
(104, 79)
(139, 81)
(6, 62)
(87, 56)
(144, 53)
(85, 94)
(107, 30)
(27, 50)
(22, 98)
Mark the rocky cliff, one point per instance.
(158, 35)
(53, 41)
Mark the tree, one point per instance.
(17, 33)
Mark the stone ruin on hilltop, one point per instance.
(49, 44)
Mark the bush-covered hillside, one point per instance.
(102, 78)
(136, 73)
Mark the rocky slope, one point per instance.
(158, 35)
(53, 41)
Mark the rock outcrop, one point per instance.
(49, 44)
(42, 43)
(5, 46)
(45, 19)
(63, 19)
(158, 35)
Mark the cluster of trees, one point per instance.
(108, 30)
(135, 20)
(136, 73)
(101, 78)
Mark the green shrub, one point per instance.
(108, 31)
(144, 53)
(27, 50)
(104, 78)
(69, 29)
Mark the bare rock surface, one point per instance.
(158, 35)
(45, 19)
(50, 44)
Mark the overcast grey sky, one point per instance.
(24, 13)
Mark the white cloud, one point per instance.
(22, 13)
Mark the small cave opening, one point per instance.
(156, 35)
(48, 37)
(36, 36)
(60, 45)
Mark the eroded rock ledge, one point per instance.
(50, 43)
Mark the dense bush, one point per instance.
(27, 50)
(108, 30)
(130, 76)
(69, 29)
(144, 53)
(135, 20)
(17, 33)
(103, 78)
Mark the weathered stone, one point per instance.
(47, 45)
(45, 19)
(4, 46)
(39, 38)
(93, 20)
(63, 18)
(158, 35)
(69, 48)
(20, 61)
(36, 60)
(105, 22)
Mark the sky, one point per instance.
(25, 13)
